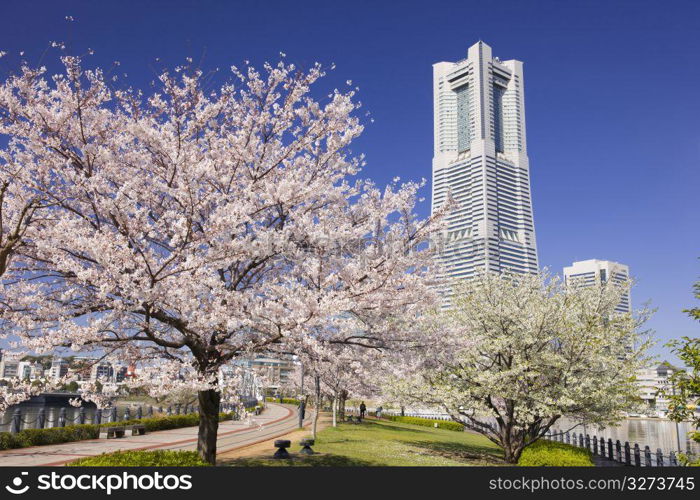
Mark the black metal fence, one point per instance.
(616, 451)
(24, 419)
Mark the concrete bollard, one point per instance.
(306, 446)
(62, 417)
(41, 418)
(282, 445)
(659, 457)
(139, 412)
(113, 416)
(97, 419)
(637, 456)
(127, 413)
(647, 456)
(81, 415)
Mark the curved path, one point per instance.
(275, 421)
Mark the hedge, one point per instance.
(426, 422)
(287, 401)
(56, 435)
(545, 453)
(157, 458)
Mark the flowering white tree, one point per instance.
(520, 352)
(197, 226)
(18, 217)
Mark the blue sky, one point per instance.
(611, 99)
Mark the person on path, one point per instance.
(363, 409)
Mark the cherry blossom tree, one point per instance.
(520, 352)
(339, 370)
(348, 373)
(19, 209)
(196, 226)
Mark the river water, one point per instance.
(652, 432)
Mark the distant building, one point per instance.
(120, 372)
(29, 370)
(36, 371)
(274, 372)
(24, 370)
(480, 159)
(59, 369)
(594, 271)
(102, 371)
(651, 381)
(9, 368)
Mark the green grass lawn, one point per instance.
(380, 443)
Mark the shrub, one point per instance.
(157, 458)
(287, 401)
(544, 453)
(54, 435)
(427, 422)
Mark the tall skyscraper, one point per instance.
(593, 271)
(480, 156)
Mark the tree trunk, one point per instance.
(512, 448)
(512, 453)
(318, 404)
(341, 404)
(335, 411)
(209, 404)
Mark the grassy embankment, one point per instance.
(385, 443)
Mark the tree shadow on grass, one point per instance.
(318, 460)
(392, 428)
(469, 454)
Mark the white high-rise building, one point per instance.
(480, 157)
(593, 271)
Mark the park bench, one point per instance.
(136, 429)
(112, 432)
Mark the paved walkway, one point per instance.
(275, 421)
